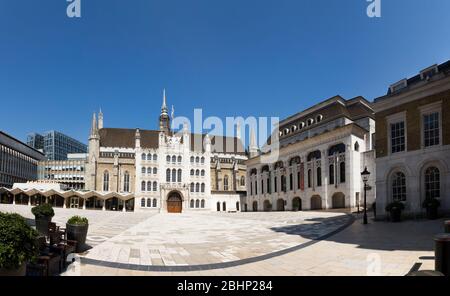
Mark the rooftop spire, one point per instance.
(164, 105)
(94, 126)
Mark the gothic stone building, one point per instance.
(322, 152)
(413, 141)
(141, 170)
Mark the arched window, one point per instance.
(155, 157)
(149, 156)
(331, 173)
(242, 181)
(192, 203)
(126, 182)
(179, 159)
(168, 175)
(202, 173)
(197, 187)
(142, 202)
(143, 170)
(237, 206)
(168, 158)
(197, 172)
(155, 203)
(262, 186)
(218, 206)
(174, 159)
(342, 171)
(283, 183)
(192, 159)
(174, 175)
(319, 176)
(149, 170)
(149, 186)
(143, 156)
(155, 186)
(225, 182)
(202, 204)
(192, 187)
(106, 181)
(197, 159)
(149, 202)
(298, 180)
(291, 182)
(197, 203)
(224, 206)
(398, 187)
(179, 175)
(432, 183)
(203, 187)
(251, 188)
(356, 146)
(309, 178)
(192, 172)
(202, 160)
(143, 186)
(275, 184)
(155, 171)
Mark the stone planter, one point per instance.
(42, 224)
(77, 233)
(21, 271)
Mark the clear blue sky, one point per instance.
(230, 57)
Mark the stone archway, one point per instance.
(316, 202)
(174, 202)
(267, 206)
(296, 204)
(338, 200)
(280, 204)
(255, 206)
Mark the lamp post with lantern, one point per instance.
(365, 177)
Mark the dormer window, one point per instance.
(310, 121)
(293, 128)
(399, 86)
(319, 118)
(281, 133)
(427, 73)
(301, 125)
(286, 131)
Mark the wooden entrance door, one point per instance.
(174, 203)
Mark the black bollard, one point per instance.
(447, 226)
(442, 253)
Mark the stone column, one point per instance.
(14, 199)
(84, 204)
(64, 205)
(124, 209)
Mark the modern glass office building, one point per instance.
(56, 145)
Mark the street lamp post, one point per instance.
(365, 177)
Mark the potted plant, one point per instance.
(395, 209)
(18, 245)
(431, 205)
(77, 228)
(42, 216)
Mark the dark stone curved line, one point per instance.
(199, 267)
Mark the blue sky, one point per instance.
(229, 57)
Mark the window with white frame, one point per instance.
(432, 183)
(431, 129)
(398, 187)
(397, 137)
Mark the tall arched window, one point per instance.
(174, 175)
(399, 187)
(202, 205)
(149, 186)
(168, 158)
(192, 172)
(155, 186)
(202, 173)
(262, 186)
(155, 202)
(179, 159)
(432, 183)
(192, 187)
(192, 159)
(106, 181)
(192, 203)
(309, 178)
(197, 172)
(342, 171)
(197, 203)
(143, 186)
(291, 182)
(218, 206)
(143, 156)
(224, 206)
(203, 187)
(197, 187)
(242, 181)
(142, 202)
(155, 171)
(143, 170)
(149, 157)
(275, 184)
(319, 176)
(225, 182)
(283, 183)
(251, 188)
(331, 173)
(149, 170)
(126, 182)
(179, 175)
(202, 160)
(197, 159)
(168, 175)
(149, 202)
(155, 157)
(174, 159)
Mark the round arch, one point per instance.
(297, 204)
(338, 200)
(316, 202)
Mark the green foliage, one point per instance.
(431, 203)
(18, 241)
(77, 220)
(395, 205)
(43, 210)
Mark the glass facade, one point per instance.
(56, 145)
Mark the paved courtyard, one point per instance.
(275, 243)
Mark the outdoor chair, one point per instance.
(60, 245)
(48, 263)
